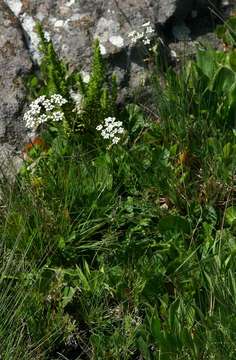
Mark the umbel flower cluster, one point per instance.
(144, 36)
(111, 129)
(44, 109)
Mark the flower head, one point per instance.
(144, 35)
(111, 129)
(44, 109)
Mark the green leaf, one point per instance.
(143, 348)
(34, 81)
(227, 150)
(173, 311)
(230, 215)
(224, 79)
(61, 243)
(174, 223)
(156, 326)
(68, 294)
(232, 60)
(232, 95)
(84, 282)
(220, 31)
(231, 24)
(233, 284)
(208, 280)
(227, 32)
(206, 62)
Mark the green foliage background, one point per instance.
(126, 251)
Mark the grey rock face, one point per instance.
(14, 62)
(169, 8)
(10, 163)
(73, 25)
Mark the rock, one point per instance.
(73, 25)
(178, 10)
(181, 32)
(14, 63)
(10, 162)
(197, 30)
(173, 8)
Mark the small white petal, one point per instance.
(99, 127)
(146, 24)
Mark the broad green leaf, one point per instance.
(224, 79)
(206, 62)
(156, 326)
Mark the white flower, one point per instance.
(36, 113)
(150, 30)
(42, 119)
(115, 140)
(109, 120)
(48, 105)
(135, 36)
(144, 36)
(99, 127)
(146, 24)
(34, 108)
(57, 116)
(111, 129)
(120, 130)
(146, 41)
(105, 135)
(58, 99)
(39, 100)
(139, 36)
(132, 33)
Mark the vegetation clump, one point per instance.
(118, 238)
